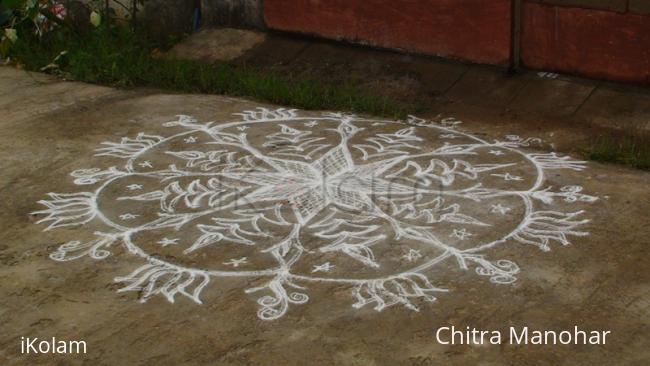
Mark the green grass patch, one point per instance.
(629, 146)
(117, 57)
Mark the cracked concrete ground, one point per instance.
(51, 128)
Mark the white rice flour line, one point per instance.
(364, 183)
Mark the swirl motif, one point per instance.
(330, 198)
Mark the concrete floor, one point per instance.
(52, 128)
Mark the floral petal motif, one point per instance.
(287, 200)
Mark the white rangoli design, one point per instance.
(292, 200)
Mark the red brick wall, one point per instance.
(595, 43)
(611, 41)
(476, 30)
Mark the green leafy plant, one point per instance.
(21, 17)
(107, 8)
(118, 56)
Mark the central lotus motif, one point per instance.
(333, 198)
